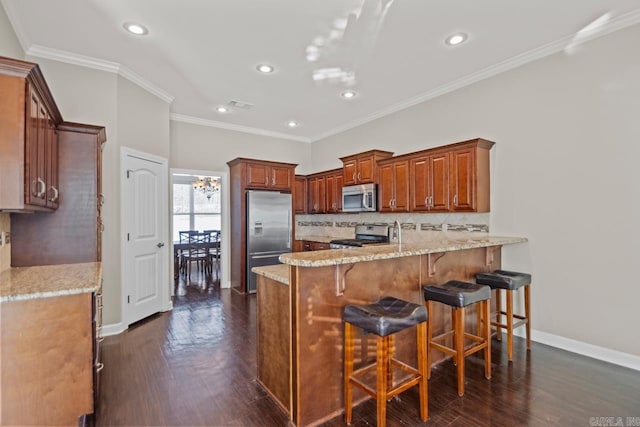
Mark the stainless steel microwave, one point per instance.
(359, 198)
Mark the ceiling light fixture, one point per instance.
(137, 29)
(348, 94)
(265, 68)
(293, 124)
(456, 39)
(222, 109)
(207, 184)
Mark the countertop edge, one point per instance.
(379, 252)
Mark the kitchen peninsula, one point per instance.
(300, 307)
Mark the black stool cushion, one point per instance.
(385, 316)
(457, 294)
(503, 279)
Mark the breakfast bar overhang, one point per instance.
(300, 303)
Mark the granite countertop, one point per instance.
(22, 283)
(388, 251)
(278, 272)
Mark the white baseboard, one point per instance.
(113, 329)
(601, 353)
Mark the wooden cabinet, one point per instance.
(28, 140)
(73, 233)
(247, 174)
(269, 175)
(429, 175)
(317, 188)
(393, 185)
(469, 176)
(334, 183)
(47, 372)
(300, 194)
(324, 191)
(310, 245)
(362, 168)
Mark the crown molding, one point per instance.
(21, 34)
(98, 64)
(615, 24)
(238, 128)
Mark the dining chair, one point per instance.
(214, 248)
(198, 251)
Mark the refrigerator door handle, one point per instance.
(265, 256)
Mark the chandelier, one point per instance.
(207, 185)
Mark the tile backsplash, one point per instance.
(415, 226)
(5, 249)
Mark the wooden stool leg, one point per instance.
(479, 327)
(527, 313)
(510, 325)
(429, 336)
(382, 352)
(348, 370)
(486, 309)
(459, 346)
(454, 329)
(498, 314)
(390, 352)
(423, 351)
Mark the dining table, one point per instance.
(179, 246)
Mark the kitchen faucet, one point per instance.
(397, 232)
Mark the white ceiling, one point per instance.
(200, 54)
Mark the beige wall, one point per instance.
(9, 44)
(207, 148)
(564, 175)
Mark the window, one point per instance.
(192, 209)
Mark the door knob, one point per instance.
(160, 245)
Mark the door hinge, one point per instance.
(127, 237)
(128, 299)
(128, 172)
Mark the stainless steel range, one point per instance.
(366, 234)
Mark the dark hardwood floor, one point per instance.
(195, 366)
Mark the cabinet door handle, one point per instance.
(99, 367)
(359, 177)
(455, 200)
(42, 188)
(273, 178)
(430, 202)
(101, 199)
(354, 177)
(55, 194)
(266, 180)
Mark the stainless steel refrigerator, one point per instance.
(269, 218)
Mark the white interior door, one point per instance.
(145, 211)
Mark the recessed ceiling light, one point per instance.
(456, 39)
(222, 109)
(293, 124)
(348, 94)
(265, 68)
(137, 29)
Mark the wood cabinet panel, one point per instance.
(28, 120)
(300, 195)
(310, 245)
(462, 180)
(281, 177)
(317, 194)
(334, 182)
(393, 186)
(362, 168)
(429, 176)
(47, 362)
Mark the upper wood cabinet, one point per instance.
(362, 168)
(334, 184)
(269, 175)
(469, 176)
(393, 185)
(300, 195)
(429, 175)
(317, 187)
(28, 139)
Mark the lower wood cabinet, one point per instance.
(47, 360)
(309, 245)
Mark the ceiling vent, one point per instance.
(240, 104)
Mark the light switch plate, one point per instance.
(7, 237)
(2, 239)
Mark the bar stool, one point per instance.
(385, 318)
(459, 295)
(509, 281)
